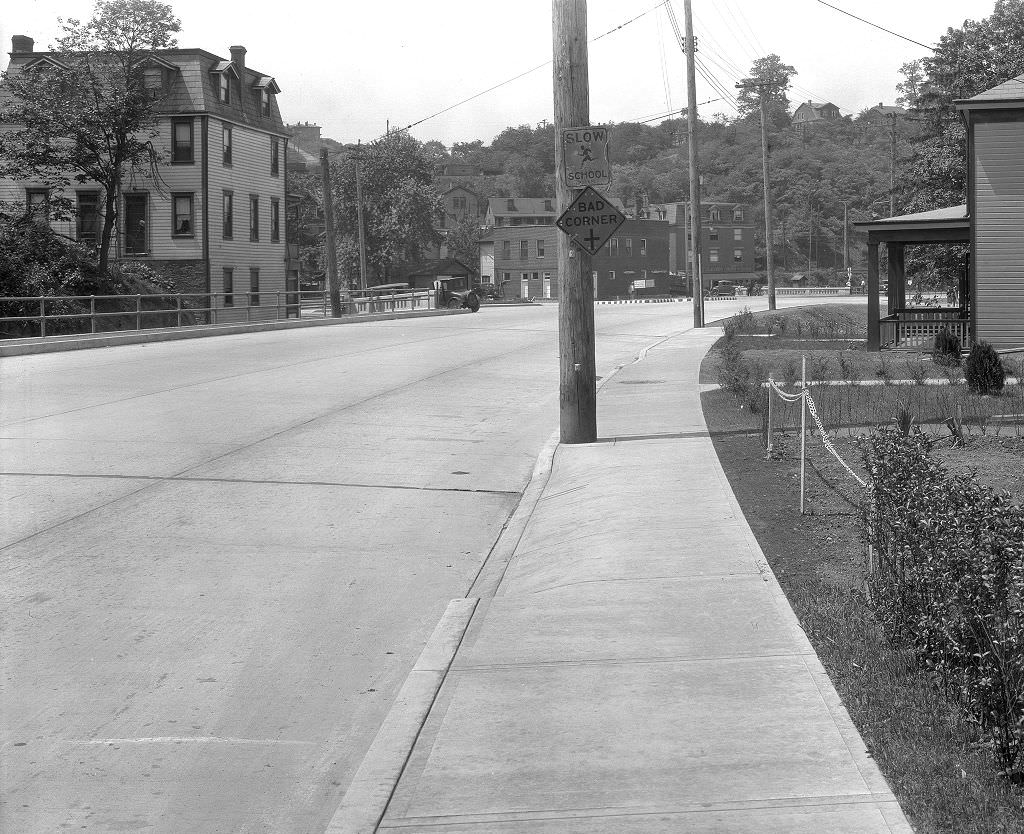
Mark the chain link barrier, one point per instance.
(805, 394)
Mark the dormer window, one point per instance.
(153, 81)
(737, 215)
(224, 71)
(511, 206)
(266, 88)
(548, 206)
(715, 215)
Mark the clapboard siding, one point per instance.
(999, 232)
(248, 175)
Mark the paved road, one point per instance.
(221, 557)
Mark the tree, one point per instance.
(910, 88)
(399, 204)
(86, 115)
(462, 241)
(770, 78)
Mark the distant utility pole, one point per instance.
(769, 257)
(691, 119)
(577, 384)
(332, 254)
(359, 217)
(892, 164)
(846, 226)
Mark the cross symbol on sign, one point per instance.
(592, 239)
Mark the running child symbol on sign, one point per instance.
(586, 155)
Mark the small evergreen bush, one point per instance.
(984, 370)
(946, 350)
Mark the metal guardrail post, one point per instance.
(92, 313)
(42, 316)
(177, 308)
(138, 312)
(248, 307)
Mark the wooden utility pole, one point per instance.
(332, 254)
(694, 249)
(577, 385)
(769, 257)
(892, 164)
(359, 217)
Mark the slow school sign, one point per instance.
(590, 220)
(585, 158)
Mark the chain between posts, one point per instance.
(805, 395)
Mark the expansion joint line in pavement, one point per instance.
(256, 481)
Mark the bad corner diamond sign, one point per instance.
(590, 220)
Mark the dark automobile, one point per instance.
(455, 299)
(723, 289)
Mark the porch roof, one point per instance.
(945, 225)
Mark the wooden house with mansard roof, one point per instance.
(990, 301)
(217, 222)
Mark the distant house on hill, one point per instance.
(811, 112)
(881, 113)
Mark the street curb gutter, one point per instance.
(53, 344)
(369, 793)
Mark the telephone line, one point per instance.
(523, 74)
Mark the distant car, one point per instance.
(456, 299)
(486, 290)
(723, 289)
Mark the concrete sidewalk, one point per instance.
(635, 666)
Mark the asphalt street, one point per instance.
(222, 556)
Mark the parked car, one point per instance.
(456, 299)
(723, 289)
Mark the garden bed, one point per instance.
(934, 757)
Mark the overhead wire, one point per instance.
(525, 73)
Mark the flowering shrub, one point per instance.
(948, 579)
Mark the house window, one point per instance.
(275, 157)
(135, 220)
(613, 247)
(183, 220)
(254, 217)
(737, 255)
(229, 215)
(37, 202)
(153, 81)
(643, 247)
(225, 88)
(713, 234)
(611, 275)
(87, 219)
(182, 140)
(713, 256)
(229, 287)
(254, 287)
(275, 221)
(227, 144)
(629, 247)
(459, 204)
(524, 249)
(548, 206)
(737, 234)
(510, 205)
(506, 249)
(737, 215)
(265, 101)
(540, 247)
(715, 215)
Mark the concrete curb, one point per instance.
(53, 344)
(367, 797)
(644, 301)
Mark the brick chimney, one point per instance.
(238, 57)
(21, 44)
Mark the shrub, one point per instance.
(984, 370)
(946, 350)
(948, 581)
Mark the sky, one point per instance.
(357, 68)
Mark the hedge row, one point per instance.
(948, 580)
